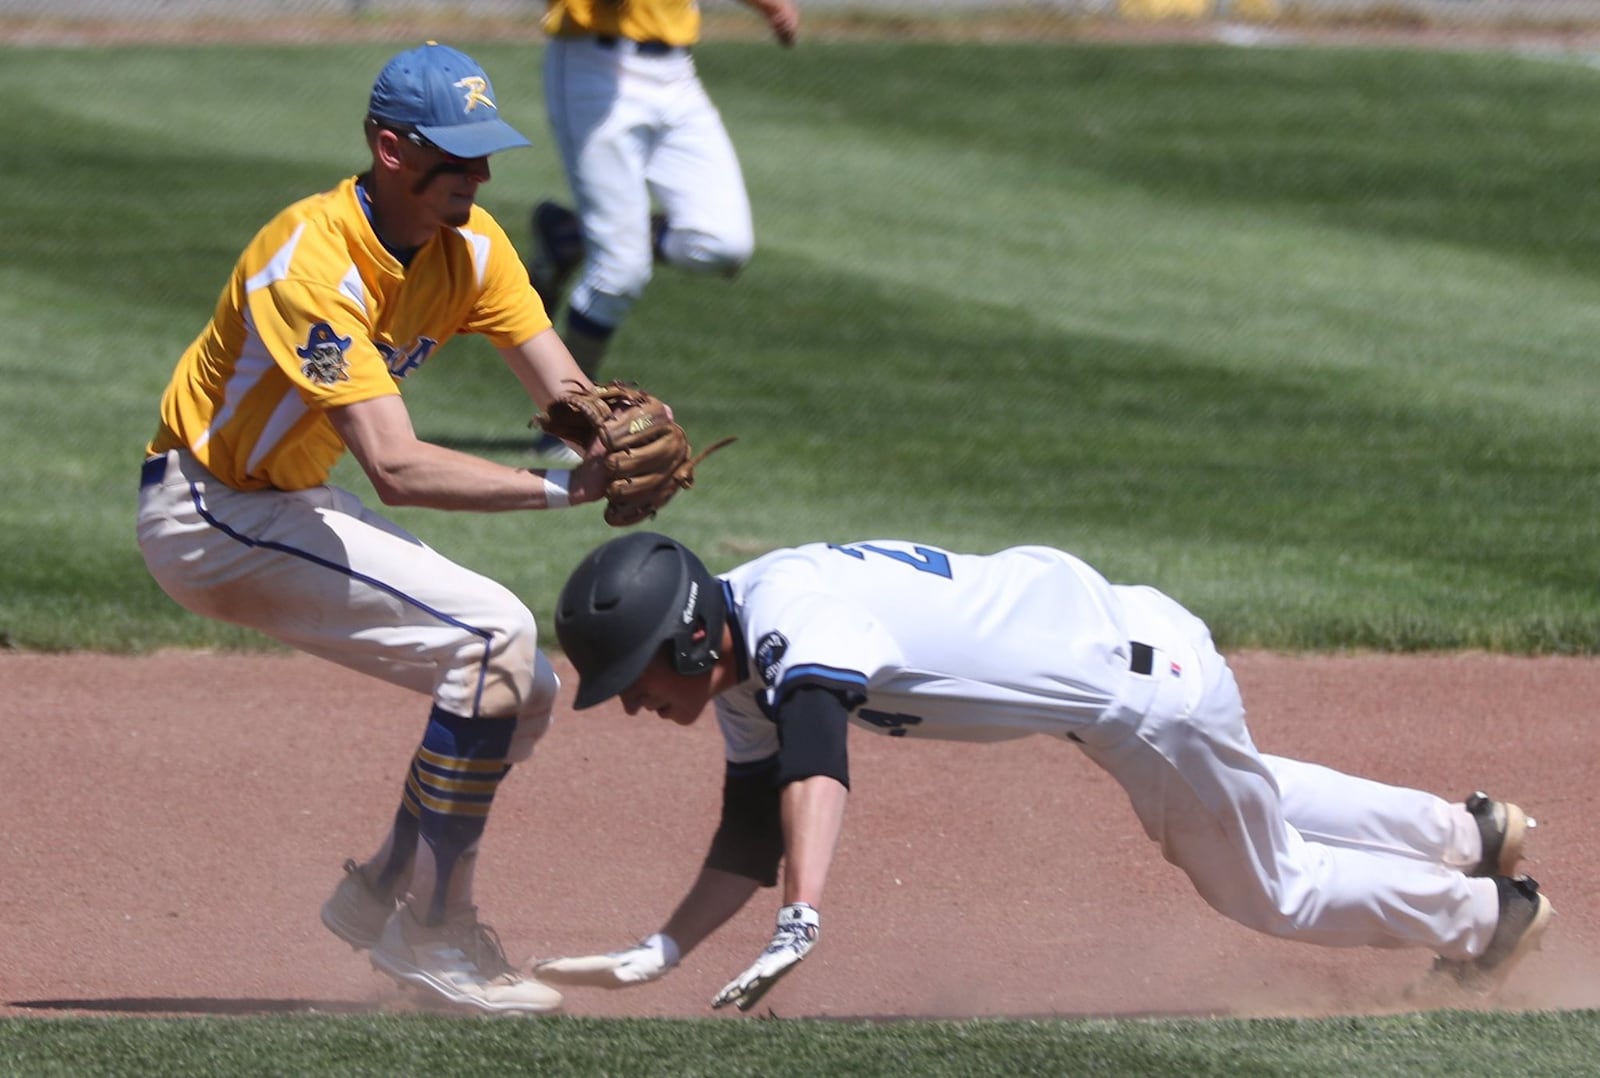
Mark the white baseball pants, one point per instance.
(320, 572)
(1288, 848)
(631, 128)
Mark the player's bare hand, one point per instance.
(645, 961)
(588, 481)
(784, 18)
(796, 934)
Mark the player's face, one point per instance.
(669, 694)
(445, 186)
(451, 188)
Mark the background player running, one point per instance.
(912, 641)
(331, 306)
(636, 130)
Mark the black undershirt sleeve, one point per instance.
(812, 723)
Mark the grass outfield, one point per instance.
(1442, 1043)
(1303, 337)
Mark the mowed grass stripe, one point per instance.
(1302, 337)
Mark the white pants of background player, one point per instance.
(322, 573)
(1292, 849)
(633, 128)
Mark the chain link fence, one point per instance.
(1543, 14)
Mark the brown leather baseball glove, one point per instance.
(646, 457)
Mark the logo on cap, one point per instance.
(477, 92)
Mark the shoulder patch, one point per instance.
(322, 359)
(769, 656)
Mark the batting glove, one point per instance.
(645, 961)
(798, 925)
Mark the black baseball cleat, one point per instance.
(1504, 828)
(658, 232)
(557, 251)
(1524, 916)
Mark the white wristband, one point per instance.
(555, 489)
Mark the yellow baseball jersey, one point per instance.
(319, 314)
(676, 22)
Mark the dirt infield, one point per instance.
(173, 823)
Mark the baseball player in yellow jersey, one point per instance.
(635, 127)
(333, 304)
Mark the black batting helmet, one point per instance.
(626, 602)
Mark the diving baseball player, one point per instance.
(636, 130)
(330, 308)
(912, 641)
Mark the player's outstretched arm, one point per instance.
(715, 897)
(813, 816)
(406, 470)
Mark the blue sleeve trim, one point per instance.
(851, 685)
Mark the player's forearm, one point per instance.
(405, 470)
(813, 813)
(713, 900)
(545, 367)
(435, 477)
(813, 816)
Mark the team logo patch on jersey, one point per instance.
(769, 656)
(322, 359)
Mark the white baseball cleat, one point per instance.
(459, 962)
(355, 912)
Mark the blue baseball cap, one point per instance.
(443, 95)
